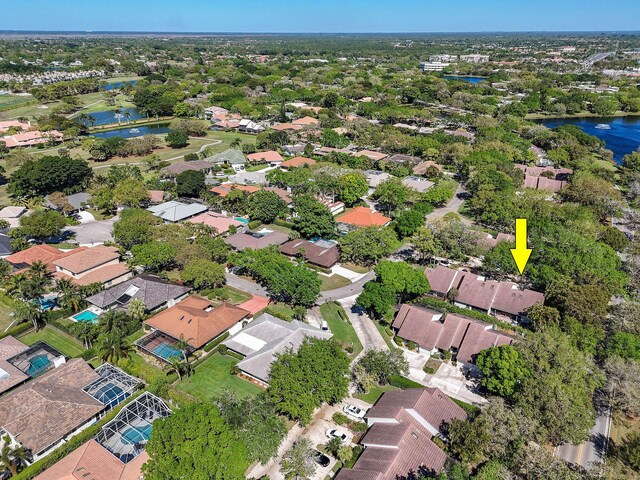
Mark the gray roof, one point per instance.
(256, 240)
(417, 183)
(76, 200)
(5, 245)
(176, 211)
(153, 291)
(230, 156)
(267, 336)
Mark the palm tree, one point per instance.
(13, 459)
(175, 365)
(137, 309)
(117, 113)
(69, 294)
(184, 346)
(113, 346)
(127, 115)
(236, 143)
(85, 331)
(30, 312)
(39, 278)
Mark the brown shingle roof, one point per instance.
(325, 257)
(442, 279)
(255, 241)
(10, 347)
(514, 301)
(41, 412)
(196, 320)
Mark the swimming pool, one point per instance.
(38, 365)
(133, 435)
(109, 394)
(86, 316)
(47, 303)
(167, 351)
(242, 220)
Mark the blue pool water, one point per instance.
(167, 351)
(47, 303)
(242, 220)
(86, 316)
(133, 435)
(463, 78)
(110, 395)
(622, 136)
(38, 365)
(125, 131)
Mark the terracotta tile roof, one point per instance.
(371, 154)
(91, 461)
(101, 275)
(286, 126)
(306, 121)
(283, 194)
(255, 304)
(363, 217)
(196, 320)
(269, 156)
(82, 259)
(38, 253)
(224, 189)
(298, 162)
(216, 220)
(44, 410)
(156, 196)
(315, 254)
(10, 347)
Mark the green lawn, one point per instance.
(384, 334)
(214, 376)
(256, 168)
(280, 310)
(6, 308)
(62, 342)
(230, 294)
(341, 330)
(374, 394)
(333, 282)
(356, 268)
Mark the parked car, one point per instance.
(336, 433)
(354, 411)
(320, 458)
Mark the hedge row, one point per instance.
(17, 330)
(403, 382)
(283, 223)
(451, 308)
(210, 346)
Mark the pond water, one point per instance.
(464, 78)
(133, 131)
(111, 86)
(109, 116)
(620, 134)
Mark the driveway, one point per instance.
(364, 327)
(85, 217)
(347, 291)
(452, 206)
(92, 233)
(593, 450)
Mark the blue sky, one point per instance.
(323, 16)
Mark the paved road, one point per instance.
(452, 206)
(593, 450)
(347, 291)
(244, 284)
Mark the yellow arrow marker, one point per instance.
(521, 253)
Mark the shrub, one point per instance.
(398, 341)
(254, 224)
(210, 346)
(340, 418)
(403, 382)
(358, 427)
(223, 349)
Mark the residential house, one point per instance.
(153, 291)
(286, 127)
(375, 156)
(75, 203)
(297, 162)
(224, 189)
(423, 167)
(249, 126)
(231, 157)
(15, 124)
(418, 184)
(176, 169)
(12, 215)
(46, 412)
(271, 157)
(10, 375)
(403, 159)
(399, 441)
(362, 217)
(434, 331)
(174, 211)
(221, 223)
(5, 246)
(212, 112)
(86, 265)
(32, 138)
(156, 197)
(111, 455)
(306, 122)
(375, 178)
(264, 338)
(545, 178)
(293, 150)
(503, 299)
(193, 319)
(321, 253)
(256, 240)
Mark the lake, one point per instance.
(111, 86)
(464, 78)
(107, 117)
(621, 138)
(125, 132)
